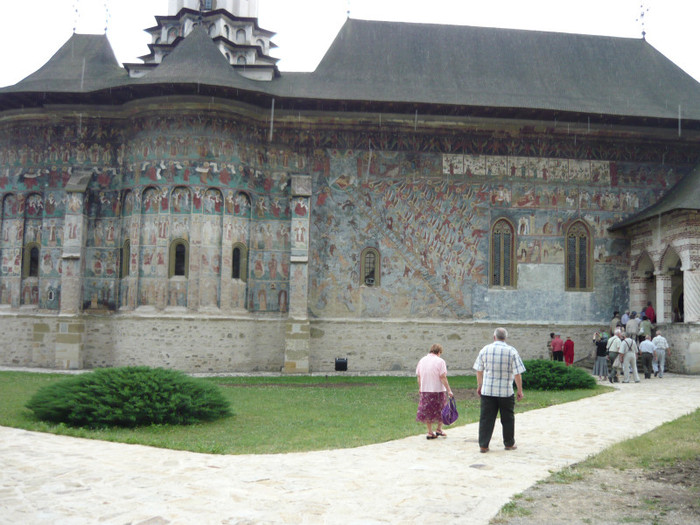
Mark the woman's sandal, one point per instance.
(440, 433)
(431, 436)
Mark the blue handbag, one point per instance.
(449, 412)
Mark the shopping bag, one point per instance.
(449, 412)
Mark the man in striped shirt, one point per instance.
(497, 366)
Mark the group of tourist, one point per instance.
(632, 337)
(499, 365)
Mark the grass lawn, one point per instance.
(282, 414)
(668, 444)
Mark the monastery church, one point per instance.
(203, 211)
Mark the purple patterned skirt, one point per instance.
(430, 407)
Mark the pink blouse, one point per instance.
(429, 370)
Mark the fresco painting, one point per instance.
(425, 203)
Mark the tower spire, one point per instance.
(643, 11)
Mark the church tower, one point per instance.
(232, 25)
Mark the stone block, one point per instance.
(69, 339)
(41, 327)
(68, 356)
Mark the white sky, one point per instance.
(305, 28)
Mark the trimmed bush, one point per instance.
(129, 397)
(555, 375)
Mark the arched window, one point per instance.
(30, 260)
(240, 36)
(241, 60)
(502, 254)
(261, 43)
(370, 267)
(124, 258)
(179, 258)
(239, 267)
(579, 248)
(212, 30)
(227, 32)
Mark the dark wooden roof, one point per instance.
(375, 65)
(685, 195)
(195, 60)
(476, 66)
(83, 64)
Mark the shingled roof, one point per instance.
(83, 64)
(685, 195)
(501, 71)
(504, 68)
(196, 60)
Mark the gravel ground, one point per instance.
(670, 496)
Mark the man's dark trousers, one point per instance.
(490, 407)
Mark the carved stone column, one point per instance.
(691, 296)
(664, 310)
(71, 330)
(298, 332)
(638, 293)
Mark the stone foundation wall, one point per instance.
(188, 343)
(684, 340)
(248, 345)
(397, 346)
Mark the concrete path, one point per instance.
(47, 479)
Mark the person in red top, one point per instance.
(569, 351)
(650, 313)
(558, 348)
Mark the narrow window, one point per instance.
(241, 60)
(180, 253)
(240, 36)
(578, 257)
(502, 249)
(30, 260)
(124, 258)
(179, 258)
(239, 269)
(370, 267)
(34, 262)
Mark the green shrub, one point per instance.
(555, 375)
(129, 397)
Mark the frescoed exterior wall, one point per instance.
(191, 212)
(430, 216)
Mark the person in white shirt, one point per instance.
(628, 348)
(613, 351)
(661, 349)
(497, 366)
(646, 348)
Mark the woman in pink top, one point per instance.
(432, 384)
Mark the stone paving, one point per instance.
(47, 479)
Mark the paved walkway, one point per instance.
(47, 479)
